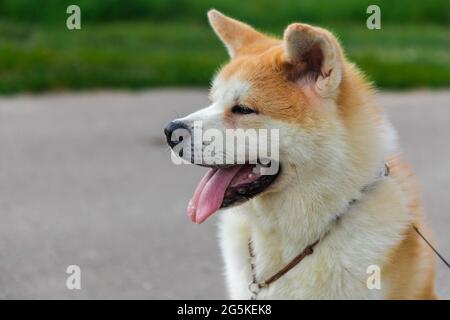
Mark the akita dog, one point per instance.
(340, 219)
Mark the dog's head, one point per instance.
(291, 89)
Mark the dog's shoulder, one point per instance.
(411, 263)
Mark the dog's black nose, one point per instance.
(169, 130)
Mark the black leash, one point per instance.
(431, 246)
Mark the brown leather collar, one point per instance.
(255, 286)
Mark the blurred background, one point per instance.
(148, 43)
(85, 176)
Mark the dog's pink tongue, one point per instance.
(209, 194)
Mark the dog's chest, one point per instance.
(346, 264)
(325, 274)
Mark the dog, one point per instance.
(341, 217)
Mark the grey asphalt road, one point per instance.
(86, 179)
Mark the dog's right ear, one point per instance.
(234, 34)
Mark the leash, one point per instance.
(255, 286)
(431, 246)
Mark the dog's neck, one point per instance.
(296, 218)
(291, 219)
(284, 225)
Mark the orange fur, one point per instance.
(411, 264)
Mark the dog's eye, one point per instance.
(240, 109)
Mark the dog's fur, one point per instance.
(334, 140)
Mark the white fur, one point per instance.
(224, 94)
(281, 227)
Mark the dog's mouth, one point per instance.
(223, 187)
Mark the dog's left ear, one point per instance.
(313, 54)
(234, 34)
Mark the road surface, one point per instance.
(86, 179)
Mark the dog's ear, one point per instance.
(234, 34)
(313, 54)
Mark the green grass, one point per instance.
(145, 54)
(147, 43)
(258, 12)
